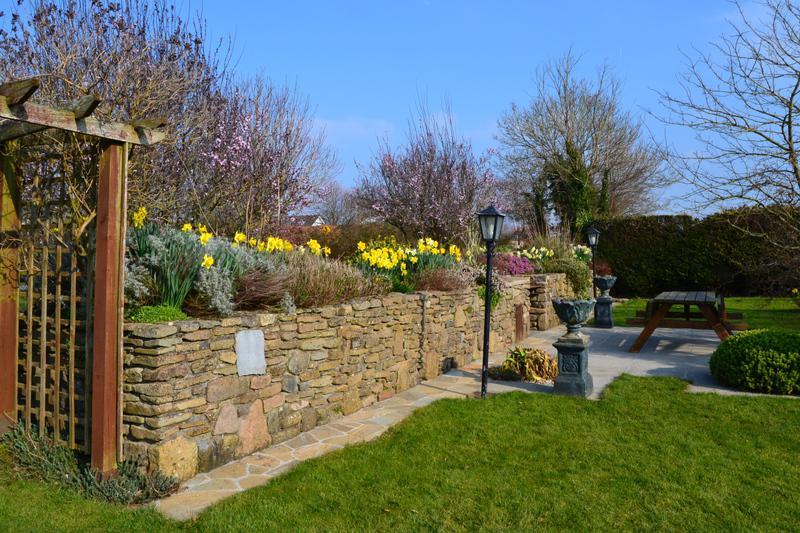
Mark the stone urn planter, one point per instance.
(602, 310)
(573, 353)
(604, 283)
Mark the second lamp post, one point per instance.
(593, 234)
(491, 222)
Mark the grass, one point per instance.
(759, 312)
(648, 456)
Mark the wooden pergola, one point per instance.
(19, 118)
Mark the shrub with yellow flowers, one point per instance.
(386, 257)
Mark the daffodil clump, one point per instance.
(397, 262)
(165, 265)
(582, 253)
(317, 249)
(536, 255)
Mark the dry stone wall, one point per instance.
(543, 288)
(199, 393)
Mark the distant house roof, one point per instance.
(308, 220)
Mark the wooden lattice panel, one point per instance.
(54, 343)
(54, 299)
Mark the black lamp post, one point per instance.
(491, 221)
(593, 234)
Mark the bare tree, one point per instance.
(238, 154)
(141, 58)
(431, 187)
(338, 207)
(573, 152)
(743, 101)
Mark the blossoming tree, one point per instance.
(431, 187)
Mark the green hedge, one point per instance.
(759, 361)
(651, 254)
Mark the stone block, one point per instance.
(273, 402)
(167, 420)
(227, 420)
(177, 458)
(298, 363)
(228, 357)
(227, 387)
(153, 331)
(165, 373)
(260, 382)
(253, 432)
(198, 335)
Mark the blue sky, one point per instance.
(365, 64)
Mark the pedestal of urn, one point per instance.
(602, 310)
(573, 378)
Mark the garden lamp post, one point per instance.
(491, 222)
(593, 234)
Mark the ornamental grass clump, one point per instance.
(527, 365)
(315, 281)
(759, 361)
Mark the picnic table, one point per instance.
(712, 314)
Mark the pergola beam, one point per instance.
(17, 92)
(67, 119)
(81, 108)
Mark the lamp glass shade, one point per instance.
(593, 234)
(491, 221)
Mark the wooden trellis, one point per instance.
(61, 279)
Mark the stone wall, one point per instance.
(198, 393)
(543, 288)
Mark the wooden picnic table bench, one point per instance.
(712, 313)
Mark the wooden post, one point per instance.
(9, 276)
(108, 302)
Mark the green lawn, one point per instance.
(759, 312)
(648, 456)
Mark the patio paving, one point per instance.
(680, 353)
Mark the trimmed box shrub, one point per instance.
(759, 361)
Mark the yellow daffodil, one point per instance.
(314, 247)
(186, 228)
(252, 242)
(208, 261)
(413, 259)
(326, 251)
(205, 237)
(202, 228)
(239, 238)
(139, 217)
(362, 246)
